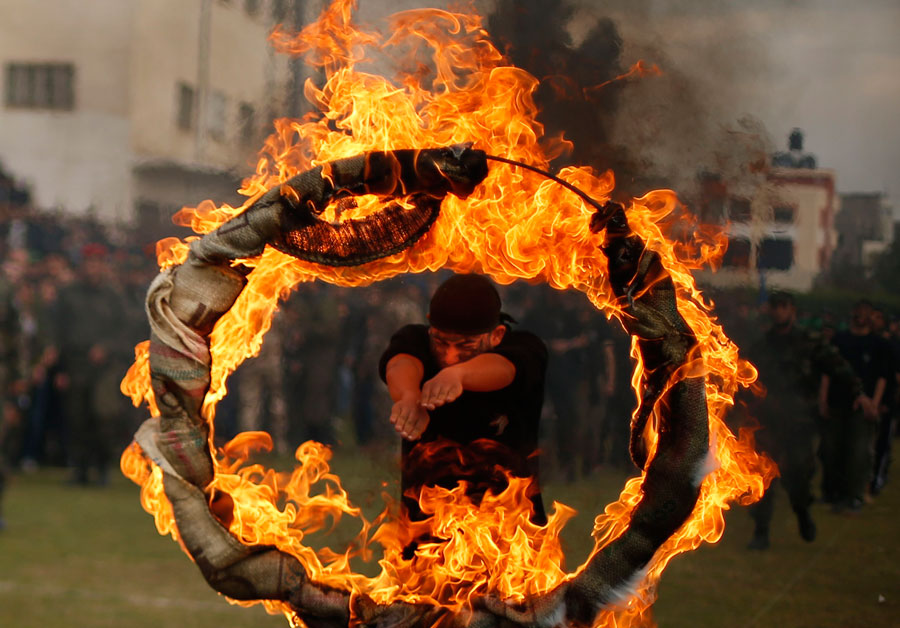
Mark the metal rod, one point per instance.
(581, 193)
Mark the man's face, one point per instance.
(862, 315)
(879, 322)
(95, 269)
(783, 314)
(449, 348)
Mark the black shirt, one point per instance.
(868, 354)
(481, 434)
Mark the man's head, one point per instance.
(465, 319)
(879, 321)
(94, 265)
(782, 309)
(862, 314)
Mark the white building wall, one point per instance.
(76, 159)
(229, 55)
(129, 57)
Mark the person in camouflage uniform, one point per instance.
(792, 363)
(88, 332)
(10, 417)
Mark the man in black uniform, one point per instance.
(467, 393)
(888, 408)
(849, 428)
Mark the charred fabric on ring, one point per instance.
(426, 176)
(183, 304)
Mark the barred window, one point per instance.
(184, 112)
(246, 123)
(737, 255)
(775, 254)
(739, 210)
(252, 7)
(783, 214)
(40, 86)
(279, 10)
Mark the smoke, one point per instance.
(655, 130)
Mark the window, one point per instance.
(713, 211)
(251, 7)
(40, 86)
(783, 214)
(185, 110)
(775, 254)
(737, 255)
(739, 210)
(216, 112)
(246, 123)
(279, 10)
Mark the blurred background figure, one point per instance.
(88, 333)
(850, 419)
(786, 359)
(887, 410)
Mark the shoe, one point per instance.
(875, 487)
(760, 541)
(807, 526)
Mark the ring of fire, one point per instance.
(514, 226)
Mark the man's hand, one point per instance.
(870, 410)
(409, 418)
(97, 354)
(443, 388)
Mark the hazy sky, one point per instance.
(831, 67)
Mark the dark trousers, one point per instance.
(568, 393)
(91, 433)
(792, 449)
(883, 449)
(846, 453)
(2, 482)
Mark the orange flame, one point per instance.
(515, 226)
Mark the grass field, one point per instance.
(90, 557)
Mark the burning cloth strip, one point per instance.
(185, 302)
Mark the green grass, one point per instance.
(89, 557)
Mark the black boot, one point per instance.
(760, 540)
(806, 526)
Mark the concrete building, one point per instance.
(780, 225)
(129, 109)
(865, 224)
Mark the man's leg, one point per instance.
(565, 428)
(829, 457)
(761, 512)
(80, 430)
(861, 436)
(797, 473)
(882, 451)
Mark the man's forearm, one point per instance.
(880, 385)
(609, 354)
(404, 376)
(486, 372)
(823, 392)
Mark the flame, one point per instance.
(515, 226)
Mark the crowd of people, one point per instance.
(71, 312)
(826, 400)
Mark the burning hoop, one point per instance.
(211, 306)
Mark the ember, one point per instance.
(514, 225)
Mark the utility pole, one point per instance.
(203, 44)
